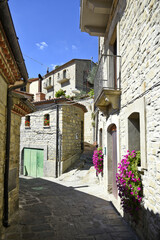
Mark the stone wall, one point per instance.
(82, 69)
(14, 164)
(88, 120)
(138, 44)
(72, 142)
(39, 136)
(3, 102)
(140, 50)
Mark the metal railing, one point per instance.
(108, 74)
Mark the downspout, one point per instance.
(57, 138)
(7, 154)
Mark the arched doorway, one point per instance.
(112, 159)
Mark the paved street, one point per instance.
(72, 207)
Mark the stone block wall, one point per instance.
(14, 164)
(39, 136)
(138, 37)
(82, 69)
(140, 51)
(88, 120)
(72, 117)
(3, 103)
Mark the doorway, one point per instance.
(33, 162)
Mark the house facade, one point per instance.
(13, 105)
(52, 137)
(70, 77)
(127, 96)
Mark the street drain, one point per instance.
(38, 188)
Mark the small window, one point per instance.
(64, 74)
(27, 121)
(46, 120)
(58, 75)
(134, 132)
(23, 89)
(49, 81)
(100, 137)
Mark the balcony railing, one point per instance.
(107, 79)
(48, 84)
(63, 79)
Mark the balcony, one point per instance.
(47, 84)
(63, 80)
(107, 83)
(94, 16)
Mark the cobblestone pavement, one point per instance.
(72, 207)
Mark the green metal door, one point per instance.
(40, 157)
(33, 162)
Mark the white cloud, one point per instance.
(74, 47)
(54, 65)
(41, 45)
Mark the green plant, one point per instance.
(60, 93)
(93, 115)
(46, 122)
(57, 66)
(68, 96)
(91, 93)
(98, 160)
(93, 124)
(129, 182)
(27, 123)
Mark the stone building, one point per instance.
(127, 95)
(13, 105)
(70, 77)
(52, 137)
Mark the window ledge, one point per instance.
(27, 127)
(142, 169)
(46, 126)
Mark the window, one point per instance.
(100, 137)
(23, 89)
(64, 74)
(136, 129)
(46, 120)
(58, 75)
(134, 132)
(27, 121)
(49, 81)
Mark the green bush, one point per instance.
(60, 93)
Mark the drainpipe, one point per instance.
(57, 139)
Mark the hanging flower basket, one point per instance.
(129, 183)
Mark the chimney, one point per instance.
(40, 83)
(40, 96)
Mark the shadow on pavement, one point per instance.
(51, 211)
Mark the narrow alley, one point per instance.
(72, 207)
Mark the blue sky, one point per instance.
(48, 32)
